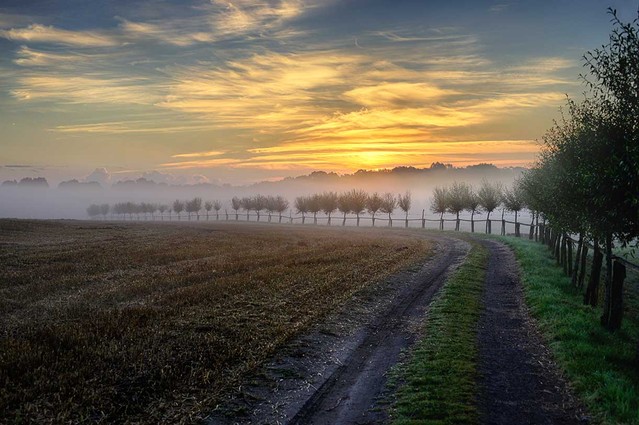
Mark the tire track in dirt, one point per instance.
(329, 377)
(519, 380)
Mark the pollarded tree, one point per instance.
(104, 210)
(208, 206)
(301, 205)
(403, 202)
(389, 203)
(473, 207)
(270, 206)
(329, 204)
(178, 207)
(217, 206)
(93, 210)
(490, 196)
(439, 204)
(373, 205)
(281, 205)
(193, 207)
(513, 200)
(358, 199)
(259, 204)
(236, 204)
(315, 206)
(458, 200)
(247, 205)
(344, 205)
(162, 208)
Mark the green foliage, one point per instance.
(440, 378)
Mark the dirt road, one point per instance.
(520, 383)
(336, 373)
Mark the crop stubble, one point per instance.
(147, 322)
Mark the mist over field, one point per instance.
(70, 200)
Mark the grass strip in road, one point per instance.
(439, 380)
(598, 363)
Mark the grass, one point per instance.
(439, 381)
(598, 363)
(115, 322)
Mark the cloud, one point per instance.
(398, 95)
(76, 89)
(168, 178)
(167, 33)
(198, 154)
(37, 33)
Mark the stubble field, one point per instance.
(142, 322)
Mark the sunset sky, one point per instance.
(248, 90)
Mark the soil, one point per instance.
(337, 373)
(519, 381)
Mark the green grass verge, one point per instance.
(439, 380)
(598, 363)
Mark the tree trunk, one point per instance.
(280, 220)
(503, 227)
(564, 253)
(558, 247)
(373, 220)
(303, 218)
(575, 269)
(569, 255)
(592, 291)
(357, 219)
(582, 268)
(616, 296)
(531, 233)
(472, 222)
(516, 226)
(488, 223)
(314, 218)
(457, 222)
(406, 220)
(344, 221)
(329, 219)
(423, 220)
(605, 317)
(390, 220)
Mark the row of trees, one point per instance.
(586, 180)
(490, 196)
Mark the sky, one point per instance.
(240, 91)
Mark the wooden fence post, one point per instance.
(592, 291)
(423, 220)
(616, 295)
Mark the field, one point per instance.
(140, 322)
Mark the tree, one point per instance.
(281, 205)
(513, 200)
(329, 204)
(193, 207)
(357, 201)
(236, 204)
(344, 205)
(93, 210)
(208, 206)
(247, 205)
(389, 203)
(217, 206)
(104, 210)
(490, 196)
(473, 207)
(315, 206)
(458, 200)
(259, 204)
(403, 202)
(301, 205)
(162, 208)
(373, 205)
(439, 204)
(178, 207)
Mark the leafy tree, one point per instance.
(260, 203)
(178, 207)
(217, 206)
(344, 205)
(357, 201)
(373, 205)
(93, 210)
(490, 196)
(329, 204)
(315, 206)
(404, 202)
(247, 205)
(104, 210)
(162, 208)
(236, 204)
(389, 203)
(473, 207)
(513, 200)
(439, 204)
(208, 206)
(458, 200)
(301, 205)
(281, 205)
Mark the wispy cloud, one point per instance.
(47, 34)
